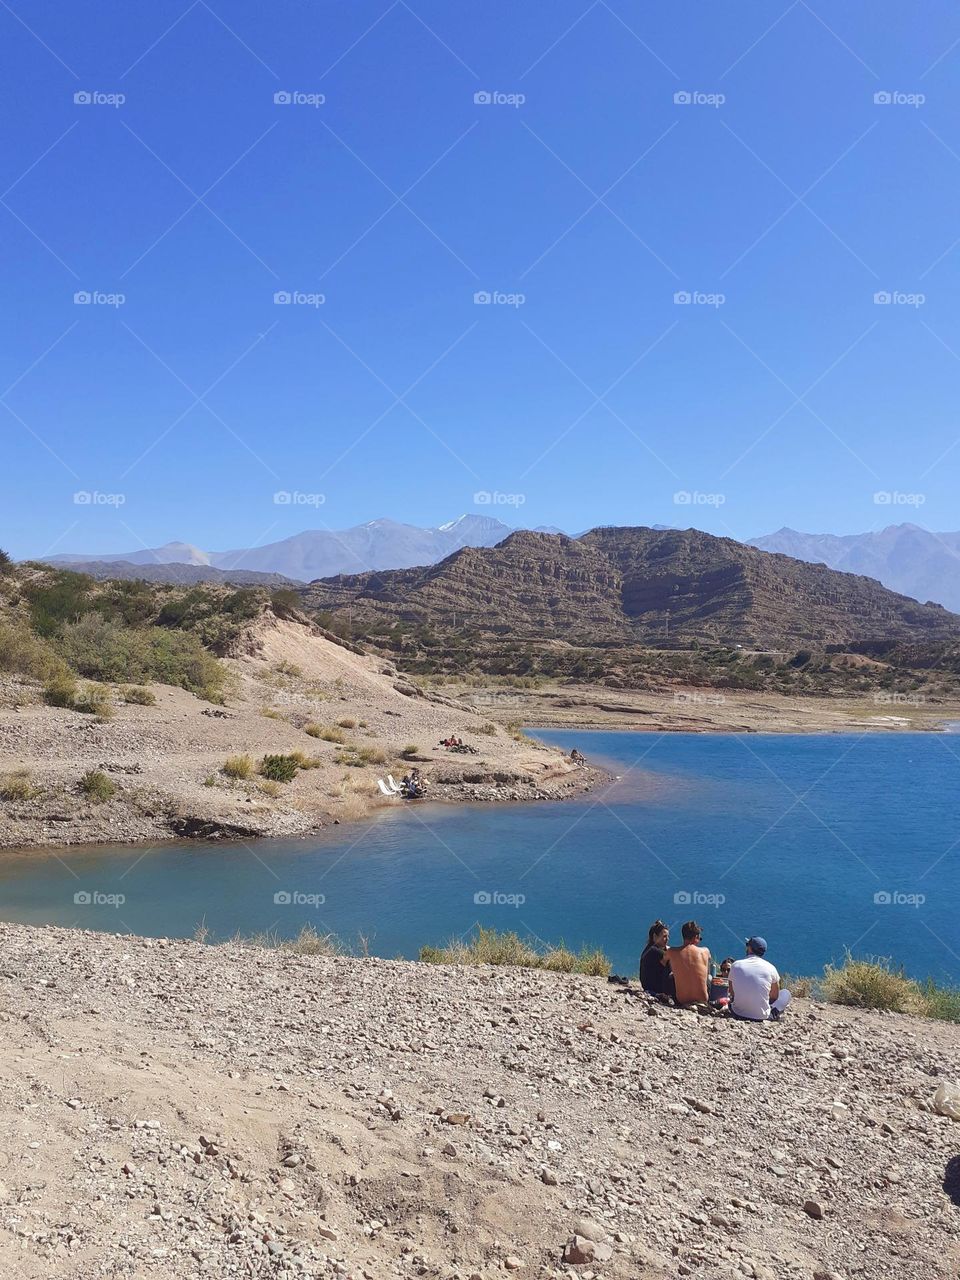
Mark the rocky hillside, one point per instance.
(615, 586)
(183, 1111)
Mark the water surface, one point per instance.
(817, 842)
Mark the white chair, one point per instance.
(394, 786)
(385, 789)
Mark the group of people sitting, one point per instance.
(457, 744)
(748, 989)
(413, 785)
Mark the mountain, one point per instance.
(629, 585)
(181, 574)
(319, 553)
(904, 557)
(169, 553)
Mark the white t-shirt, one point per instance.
(752, 979)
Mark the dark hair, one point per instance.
(657, 927)
(726, 960)
(690, 931)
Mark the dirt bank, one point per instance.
(181, 1111)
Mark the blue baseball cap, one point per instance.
(757, 945)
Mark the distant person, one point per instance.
(690, 965)
(655, 975)
(720, 985)
(755, 994)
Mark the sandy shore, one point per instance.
(709, 711)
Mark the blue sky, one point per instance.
(782, 198)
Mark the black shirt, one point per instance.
(655, 976)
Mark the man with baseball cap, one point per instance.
(755, 994)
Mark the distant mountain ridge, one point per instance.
(904, 557)
(615, 586)
(320, 553)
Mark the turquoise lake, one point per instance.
(820, 843)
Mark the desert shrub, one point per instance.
(238, 767)
(60, 691)
(271, 713)
(331, 735)
(279, 768)
(346, 723)
(59, 597)
(308, 942)
(286, 603)
(178, 658)
(95, 700)
(304, 761)
(271, 789)
(138, 696)
(95, 785)
(489, 946)
(26, 654)
(210, 780)
(6, 563)
(17, 786)
(313, 730)
(489, 729)
(942, 1003)
(102, 649)
(870, 983)
(410, 751)
(285, 668)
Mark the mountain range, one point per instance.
(615, 586)
(315, 553)
(903, 557)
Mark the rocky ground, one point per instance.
(166, 761)
(184, 1111)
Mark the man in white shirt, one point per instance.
(755, 994)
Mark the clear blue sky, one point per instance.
(400, 197)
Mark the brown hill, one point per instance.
(629, 585)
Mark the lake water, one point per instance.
(819, 843)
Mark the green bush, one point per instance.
(25, 654)
(61, 691)
(238, 767)
(96, 786)
(95, 700)
(279, 768)
(137, 696)
(870, 983)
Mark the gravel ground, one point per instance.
(178, 1110)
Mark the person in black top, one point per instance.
(655, 975)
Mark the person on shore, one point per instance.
(720, 985)
(755, 994)
(690, 965)
(655, 975)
